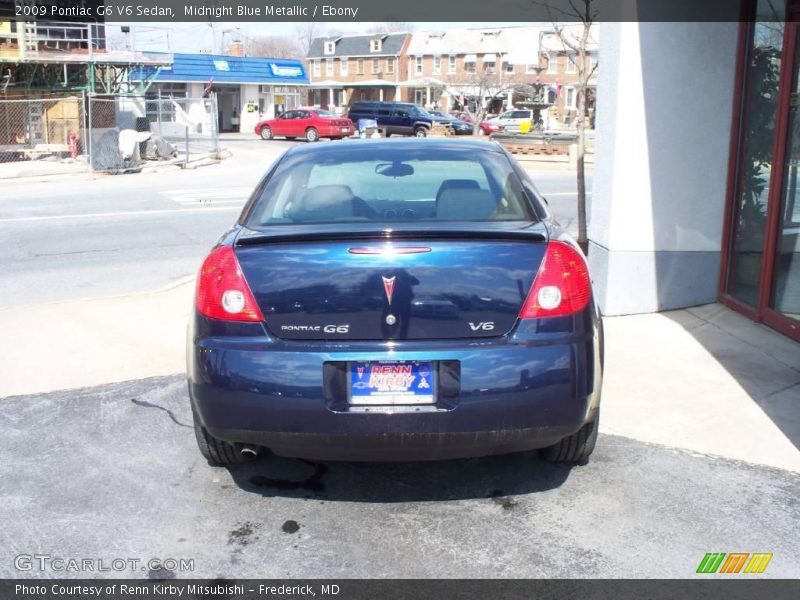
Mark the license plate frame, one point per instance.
(391, 387)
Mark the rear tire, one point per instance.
(575, 448)
(420, 132)
(266, 133)
(217, 452)
(312, 135)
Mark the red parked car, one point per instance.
(486, 128)
(308, 123)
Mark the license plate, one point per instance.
(386, 383)
(345, 129)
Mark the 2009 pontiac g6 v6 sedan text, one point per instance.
(395, 300)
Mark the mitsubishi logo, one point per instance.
(388, 286)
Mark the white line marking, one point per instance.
(127, 213)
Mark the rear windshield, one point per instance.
(362, 184)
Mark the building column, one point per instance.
(330, 98)
(427, 96)
(509, 99)
(655, 217)
(380, 90)
(344, 97)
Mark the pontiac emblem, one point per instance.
(388, 286)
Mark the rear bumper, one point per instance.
(336, 131)
(399, 446)
(495, 397)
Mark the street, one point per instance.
(69, 239)
(100, 459)
(114, 472)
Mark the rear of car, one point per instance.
(512, 119)
(405, 300)
(458, 126)
(488, 128)
(395, 118)
(330, 125)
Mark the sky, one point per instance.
(196, 37)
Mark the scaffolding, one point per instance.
(68, 57)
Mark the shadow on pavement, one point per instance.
(496, 477)
(761, 361)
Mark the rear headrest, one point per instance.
(457, 184)
(324, 202)
(465, 205)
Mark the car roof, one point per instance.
(341, 148)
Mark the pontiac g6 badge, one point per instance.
(388, 287)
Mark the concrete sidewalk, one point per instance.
(703, 379)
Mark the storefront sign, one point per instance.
(286, 71)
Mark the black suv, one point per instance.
(400, 118)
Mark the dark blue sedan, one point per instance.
(395, 300)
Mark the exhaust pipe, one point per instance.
(249, 452)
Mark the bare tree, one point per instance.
(396, 27)
(576, 39)
(484, 86)
(273, 46)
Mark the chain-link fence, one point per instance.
(127, 132)
(42, 130)
(106, 134)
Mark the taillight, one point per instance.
(562, 285)
(222, 291)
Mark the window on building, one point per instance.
(488, 66)
(437, 65)
(451, 68)
(342, 66)
(360, 66)
(390, 65)
(315, 68)
(330, 47)
(165, 109)
(469, 66)
(531, 68)
(552, 62)
(376, 65)
(592, 61)
(571, 65)
(569, 97)
(329, 67)
(418, 65)
(375, 45)
(508, 66)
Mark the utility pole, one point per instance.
(213, 26)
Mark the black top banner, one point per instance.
(391, 10)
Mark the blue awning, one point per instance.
(203, 68)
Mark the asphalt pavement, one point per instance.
(113, 472)
(75, 237)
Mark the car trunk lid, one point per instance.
(407, 283)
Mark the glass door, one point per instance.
(756, 143)
(761, 274)
(784, 242)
